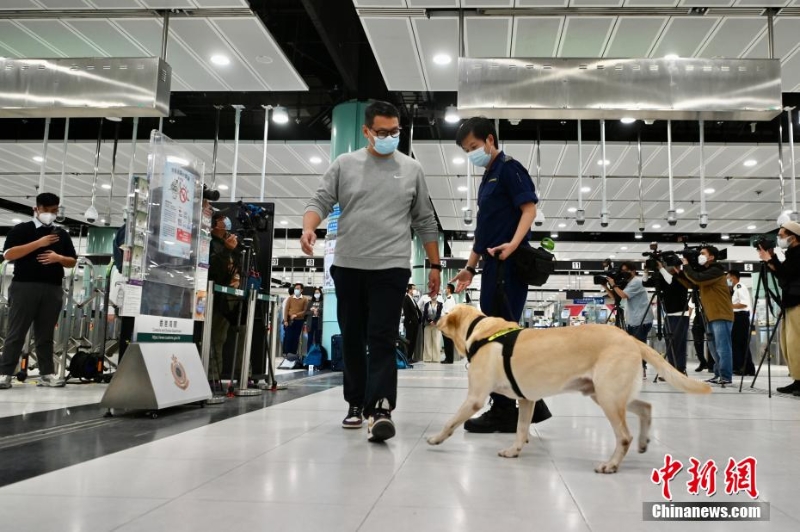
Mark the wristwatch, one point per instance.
(436, 267)
(471, 270)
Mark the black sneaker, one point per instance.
(354, 418)
(381, 427)
(724, 382)
(496, 419)
(713, 380)
(789, 389)
(700, 368)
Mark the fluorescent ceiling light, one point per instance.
(280, 115)
(750, 163)
(470, 235)
(624, 248)
(458, 160)
(726, 237)
(223, 187)
(220, 60)
(680, 211)
(572, 209)
(284, 222)
(656, 226)
(462, 188)
(562, 225)
(106, 186)
(602, 163)
(638, 236)
(709, 191)
(627, 120)
(553, 235)
(442, 59)
(611, 256)
(464, 208)
(451, 115)
(38, 159)
(315, 160)
(751, 227)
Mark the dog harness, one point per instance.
(507, 338)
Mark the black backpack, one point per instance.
(86, 366)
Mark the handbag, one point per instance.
(533, 266)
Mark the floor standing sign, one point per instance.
(166, 269)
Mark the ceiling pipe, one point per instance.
(216, 148)
(580, 214)
(236, 150)
(789, 113)
(641, 179)
(113, 173)
(43, 165)
(267, 109)
(671, 214)
(62, 211)
(604, 210)
(703, 211)
(91, 213)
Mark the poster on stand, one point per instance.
(177, 210)
(330, 250)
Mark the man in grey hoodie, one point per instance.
(382, 194)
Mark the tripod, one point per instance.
(769, 298)
(668, 333)
(244, 274)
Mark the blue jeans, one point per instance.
(719, 343)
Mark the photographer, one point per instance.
(710, 278)
(608, 268)
(788, 275)
(223, 271)
(637, 304)
(675, 298)
(740, 335)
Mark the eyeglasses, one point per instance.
(383, 133)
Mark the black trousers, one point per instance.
(37, 304)
(369, 304)
(412, 330)
(698, 337)
(740, 343)
(449, 349)
(676, 345)
(315, 332)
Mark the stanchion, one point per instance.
(243, 390)
(205, 355)
(274, 344)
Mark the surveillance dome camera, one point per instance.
(540, 219)
(91, 214)
(580, 222)
(703, 221)
(604, 219)
(603, 224)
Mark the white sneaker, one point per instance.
(51, 381)
(5, 382)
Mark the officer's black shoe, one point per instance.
(496, 419)
(789, 389)
(540, 412)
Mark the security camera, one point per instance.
(91, 214)
(703, 221)
(604, 219)
(672, 218)
(540, 219)
(580, 217)
(468, 217)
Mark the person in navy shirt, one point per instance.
(506, 209)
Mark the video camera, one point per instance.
(667, 258)
(252, 217)
(765, 242)
(620, 278)
(210, 194)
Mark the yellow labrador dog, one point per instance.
(600, 361)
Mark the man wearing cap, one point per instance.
(788, 274)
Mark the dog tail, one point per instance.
(674, 377)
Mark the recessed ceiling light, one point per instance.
(315, 160)
(458, 160)
(638, 236)
(106, 186)
(709, 191)
(623, 248)
(284, 222)
(38, 158)
(464, 208)
(726, 237)
(627, 120)
(103, 221)
(462, 188)
(470, 235)
(223, 187)
(16, 220)
(451, 115)
(656, 226)
(751, 227)
(553, 235)
(680, 211)
(220, 60)
(280, 115)
(611, 256)
(603, 163)
(562, 225)
(672, 56)
(442, 59)
(750, 163)
(586, 189)
(572, 209)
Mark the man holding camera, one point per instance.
(788, 275)
(675, 298)
(709, 277)
(223, 271)
(637, 304)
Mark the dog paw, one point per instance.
(606, 468)
(434, 440)
(511, 452)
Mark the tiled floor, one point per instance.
(291, 467)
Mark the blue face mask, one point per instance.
(227, 224)
(386, 146)
(479, 157)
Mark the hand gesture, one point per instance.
(434, 283)
(764, 255)
(307, 242)
(462, 280)
(48, 240)
(504, 250)
(49, 257)
(231, 241)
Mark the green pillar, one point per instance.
(346, 136)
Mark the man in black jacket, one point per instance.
(223, 270)
(412, 317)
(675, 299)
(40, 252)
(788, 274)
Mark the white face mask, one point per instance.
(47, 218)
(701, 260)
(415, 293)
(316, 295)
(296, 293)
(783, 243)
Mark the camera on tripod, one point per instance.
(765, 242)
(654, 256)
(252, 218)
(210, 194)
(620, 278)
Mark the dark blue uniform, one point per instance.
(505, 187)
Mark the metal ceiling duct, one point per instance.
(84, 87)
(649, 89)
